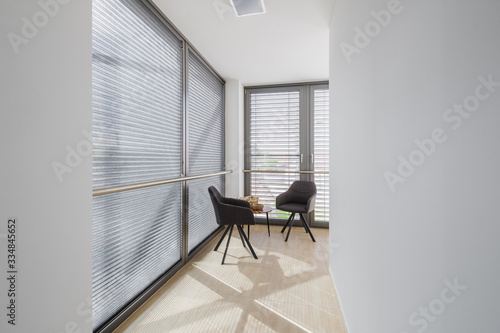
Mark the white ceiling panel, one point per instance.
(289, 43)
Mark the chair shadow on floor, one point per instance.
(245, 294)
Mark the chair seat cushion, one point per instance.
(293, 207)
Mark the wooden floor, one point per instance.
(288, 289)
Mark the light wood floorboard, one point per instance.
(288, 289)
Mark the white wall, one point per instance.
(397, 249)
(45, 104)
(234, 137)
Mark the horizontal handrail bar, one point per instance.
(280, 171)
(110, 190)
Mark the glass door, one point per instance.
(287, 133)
(274, 129)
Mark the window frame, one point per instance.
(115, 321)
(306, 114)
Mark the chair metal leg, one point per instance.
(268, 230)
(290, 228)
(227, 244)
(248, 242)
(222, 238)
(287, 222)
(307, 227)
(241, 237)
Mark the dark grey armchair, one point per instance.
(300, 199)
(231, 212)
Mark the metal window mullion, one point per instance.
(185, 153)
(247, 143)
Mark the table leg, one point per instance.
(268, 230)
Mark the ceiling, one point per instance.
(287, 44)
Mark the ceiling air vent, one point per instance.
(248, 7)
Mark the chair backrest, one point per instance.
(217, 199)
(302, 191)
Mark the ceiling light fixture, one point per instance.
(248, 7)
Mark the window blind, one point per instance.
(288, 130)
(137, 137)
(321, 112)
(205, 108)
(274, 143)
(201, 213)
(137, 96)
(135, 240)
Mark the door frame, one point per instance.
(306, 113)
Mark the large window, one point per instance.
(158, 116)
(287, 130)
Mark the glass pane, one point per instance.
(206, 147)
(206, 119)
(322, 153)
(201, 214)
(136, 238)
(137, 96)
(274, 144)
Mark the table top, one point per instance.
(266, 209)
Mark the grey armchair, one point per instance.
(300, 199)
(231, 212)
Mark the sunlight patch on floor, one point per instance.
(288, 289)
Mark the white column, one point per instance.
(234, 137)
